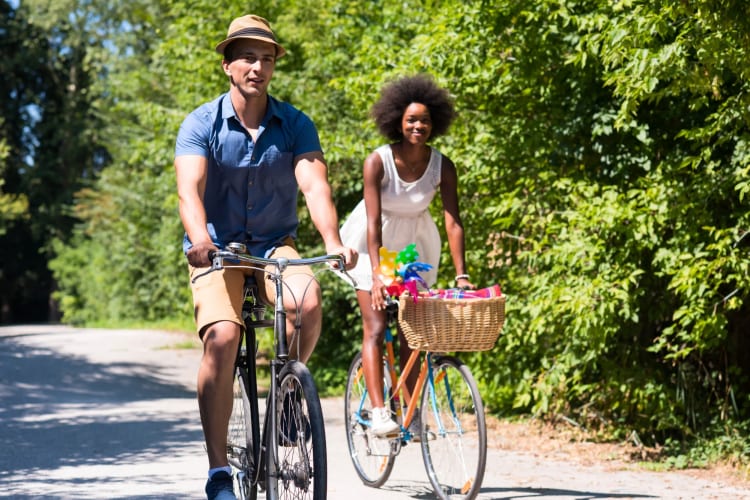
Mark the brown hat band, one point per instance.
(252, 32)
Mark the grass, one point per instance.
(179, 325)
(187, 344)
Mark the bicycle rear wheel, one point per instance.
(296, 449)
(454, 432)
(371, 456)
(242, 435)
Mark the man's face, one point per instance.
(249, 64)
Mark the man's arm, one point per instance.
(191, 184)
(312, 177)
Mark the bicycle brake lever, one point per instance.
(341, 268)
(216, 264)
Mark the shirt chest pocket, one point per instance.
(277, 169)
(234, 150)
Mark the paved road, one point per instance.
(106, 414)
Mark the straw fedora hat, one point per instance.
(253, 27)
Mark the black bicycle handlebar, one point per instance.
(261, 261)
(217, 258)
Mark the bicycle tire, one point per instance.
(296, 451)
(454, 431)
(242, 435)
(371, 456)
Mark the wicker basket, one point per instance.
(442, 325)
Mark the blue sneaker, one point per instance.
(220, 487)
(291, 418)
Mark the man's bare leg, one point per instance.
(215, 379)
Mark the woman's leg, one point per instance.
(373, 323)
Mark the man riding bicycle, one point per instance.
(240, 161)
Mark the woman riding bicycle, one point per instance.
(400, 181)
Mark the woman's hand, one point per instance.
(378, 294)
(465, 284)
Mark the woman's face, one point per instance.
(416, 124)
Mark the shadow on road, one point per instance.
(542, 493)
(59, 411)
(424, 492)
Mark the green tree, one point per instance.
(603, 158)
(619, 235)
(12, 206)
(123, 260)
(50, 131)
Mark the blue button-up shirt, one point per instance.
(251, 191)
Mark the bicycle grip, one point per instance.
(211, 254)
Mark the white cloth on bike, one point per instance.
(405, 218)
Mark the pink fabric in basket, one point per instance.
(460, 293)
(450, 293)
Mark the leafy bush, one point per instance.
(604, 165)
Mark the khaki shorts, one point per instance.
(217, 296)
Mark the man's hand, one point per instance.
(350, 256)
(197, 256)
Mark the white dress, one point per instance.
(405, 218)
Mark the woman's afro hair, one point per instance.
(396, 96)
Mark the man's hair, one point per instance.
(230, 51)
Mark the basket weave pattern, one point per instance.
(441, 325)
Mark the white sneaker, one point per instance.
(382, 423)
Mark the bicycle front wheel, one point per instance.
(242, 436)
(296, 449)
(371, 456)
(454, 432)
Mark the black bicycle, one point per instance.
(286, 456)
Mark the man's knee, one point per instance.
(220, 338)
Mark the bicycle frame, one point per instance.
(253, 312)
(400, 388)
(281, 348)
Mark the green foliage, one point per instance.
(623, 242)
(341, 336)
(100, 276)
(727, 443)
(604, 160)
(12, 206)
(51, 147)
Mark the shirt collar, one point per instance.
(274, 109)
